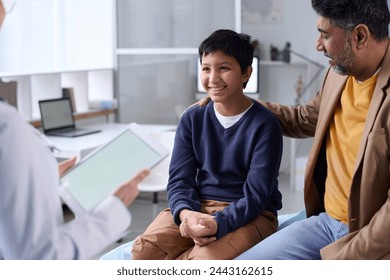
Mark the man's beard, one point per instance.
(344, 63)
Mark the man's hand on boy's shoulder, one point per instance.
(203, 101)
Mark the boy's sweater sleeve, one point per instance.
(181, 188)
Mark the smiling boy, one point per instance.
(223, 187)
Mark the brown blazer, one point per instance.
(369, 202)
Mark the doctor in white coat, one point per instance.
(31, 217)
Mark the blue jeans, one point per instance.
(301, 240)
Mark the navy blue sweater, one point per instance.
(239, 165)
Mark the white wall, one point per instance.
(298, 26)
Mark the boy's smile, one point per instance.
(221, 77)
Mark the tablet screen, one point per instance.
(98, 175)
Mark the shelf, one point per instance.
(82, 116)
(88, 86)
(8, 75)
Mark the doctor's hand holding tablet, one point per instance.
(124, 161)
(127, 192)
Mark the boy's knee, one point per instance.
(143, 249)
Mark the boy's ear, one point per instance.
(248, 73)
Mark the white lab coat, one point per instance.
(31, 218)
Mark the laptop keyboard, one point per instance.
(71, 129)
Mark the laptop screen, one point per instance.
(56, 113)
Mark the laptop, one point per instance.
(58, 119)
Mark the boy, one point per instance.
(224, 166)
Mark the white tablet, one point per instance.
(106, 168)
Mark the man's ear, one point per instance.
(361, 34)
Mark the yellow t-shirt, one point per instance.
(343, 140)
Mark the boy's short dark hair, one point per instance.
(237, 45)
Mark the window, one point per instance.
(55, 36)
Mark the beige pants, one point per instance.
(162, 239)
